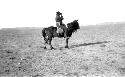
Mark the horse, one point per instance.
(51, 32)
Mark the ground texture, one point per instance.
(94, 51)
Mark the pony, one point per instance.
(51, 32)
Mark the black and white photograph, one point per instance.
(62, 38)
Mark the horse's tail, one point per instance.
(43, 32)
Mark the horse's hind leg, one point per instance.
(45, 43)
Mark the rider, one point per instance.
(58, 19)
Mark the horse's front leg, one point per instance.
(67, 43)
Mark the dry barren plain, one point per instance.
(94, 51)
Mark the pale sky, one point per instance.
(41, 13)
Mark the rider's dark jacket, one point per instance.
(58, 18)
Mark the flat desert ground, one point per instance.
(94, 51)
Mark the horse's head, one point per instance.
(73, 25)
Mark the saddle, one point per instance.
(60, 30)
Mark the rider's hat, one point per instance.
(58, 13)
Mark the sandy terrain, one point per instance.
(94, 51)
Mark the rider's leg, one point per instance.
(58, 26)
(65, 30)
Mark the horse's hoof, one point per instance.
(45, 48)
(51, 48)
(66, 47)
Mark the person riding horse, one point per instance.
(60, 26)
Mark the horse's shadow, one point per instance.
(87, 44)
(84, 44)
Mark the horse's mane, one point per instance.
(73, 25)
